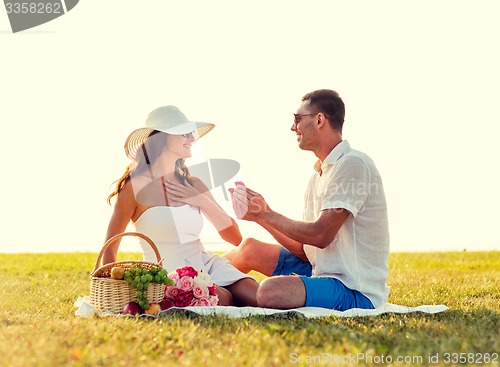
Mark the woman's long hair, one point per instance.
(146, 156)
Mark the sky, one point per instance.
(419, 80)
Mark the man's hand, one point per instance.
(257, 206)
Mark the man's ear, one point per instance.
(321, 119)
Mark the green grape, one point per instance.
(139, 278)
(144, 304)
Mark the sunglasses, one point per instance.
(297, 116)
(188, 135)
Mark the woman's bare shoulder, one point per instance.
(127, 191)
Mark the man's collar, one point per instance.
(340, 149)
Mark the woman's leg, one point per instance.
(244, 292)
(225, 297)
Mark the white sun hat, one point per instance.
(167, 119)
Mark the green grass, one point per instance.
(38, 326)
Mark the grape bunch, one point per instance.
(139, 278)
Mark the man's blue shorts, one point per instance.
(320, 291)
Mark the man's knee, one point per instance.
(266, 293)
(253, 254)
(243, 256)
(281, 292)
(248, 244)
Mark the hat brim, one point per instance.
(139, 136)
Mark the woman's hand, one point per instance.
(248, 204)
(187, 194)
(239, 201)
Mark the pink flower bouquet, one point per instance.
(191, 288)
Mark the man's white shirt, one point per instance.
(358, 255)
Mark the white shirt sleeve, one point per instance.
(348, 186)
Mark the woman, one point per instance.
(165, 203)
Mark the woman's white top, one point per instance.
(176, 233)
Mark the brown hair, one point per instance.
(329, 103)
(146, 155)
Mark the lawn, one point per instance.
(38, 326)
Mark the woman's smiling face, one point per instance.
(180, 145)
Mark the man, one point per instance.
(337, 257)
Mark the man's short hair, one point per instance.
(329, 103)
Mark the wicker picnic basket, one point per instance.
(109, 295)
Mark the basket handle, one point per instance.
(120, 235)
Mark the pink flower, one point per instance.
(200, 291)
(192, 288)
(187, 271)
(185, 283)
(212, 290)
(183, 299)
(214, 300)
(171, 292)
(174, 276)
(202, 302)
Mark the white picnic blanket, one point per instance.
(86, 309)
